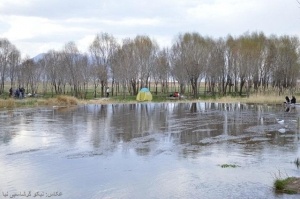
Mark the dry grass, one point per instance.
(9, 103)
(257, 99)
(107, 101)
(67, 100)
(59, 101)
(62, 100)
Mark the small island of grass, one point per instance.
(289, 185)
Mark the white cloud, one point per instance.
(84, 43)
(29, 27)
(36, 26)
(113, 22)
(221, 10)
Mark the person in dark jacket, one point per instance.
(293, 100)
(10, 92)
(287, 100)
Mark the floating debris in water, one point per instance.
(229, 165)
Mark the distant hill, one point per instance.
(38, 57)
(42, 55)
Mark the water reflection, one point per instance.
(188, 123)
(111, 140)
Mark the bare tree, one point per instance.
(29, 75)
(231, 51)
(191, 51)
(14, 62)
(160, 71)
(251, 49)
(101, 51)
(120, 67)
(217, 72)
(129, 68)
(9, 59)
(84, 71)
(94, 77)
(286, 70)
(144, 55)
(177, 70)
(53, 64)
(269, 63)
(71, 60)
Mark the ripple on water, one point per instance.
(24, 151)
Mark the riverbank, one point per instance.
(69, 100)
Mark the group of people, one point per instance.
(290, 101)
(17, 93)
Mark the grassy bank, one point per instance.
(32, 102)
(64, 100)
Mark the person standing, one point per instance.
(107, 92)
(10, 92)
(22, 92)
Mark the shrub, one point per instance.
(67, 100)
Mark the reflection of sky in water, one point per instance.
(155, 150)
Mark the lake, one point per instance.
(148, 150)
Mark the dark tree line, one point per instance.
(245, 64)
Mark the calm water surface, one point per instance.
(152, 150)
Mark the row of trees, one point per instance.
(250, 62)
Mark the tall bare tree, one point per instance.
(129, 67)
(30, 75)
(194, 53)
(287, 65)
(14, 62)
(144, 55)
(160, 71)
(177, 69)
(120, 67)
(101, 51)
(9, 59)
(217, 72)
(53, 70)
(71, 59)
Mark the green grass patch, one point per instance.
(281, 185)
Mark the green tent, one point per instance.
(144, 95)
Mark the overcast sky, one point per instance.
(36, 26)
